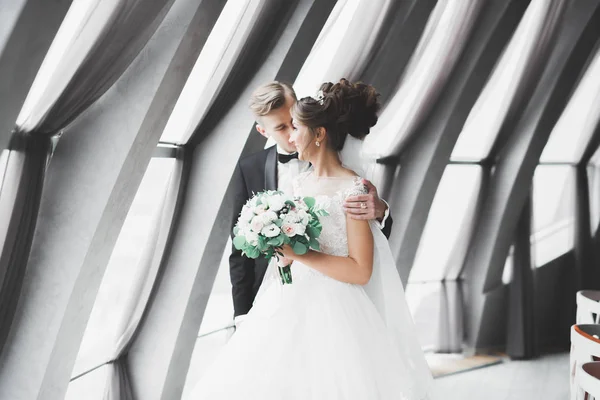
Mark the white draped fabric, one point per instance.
(507, 81)
(440, 47)
(75, 40)
(216, 61)
(344, 45)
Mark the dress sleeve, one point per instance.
(357, 188)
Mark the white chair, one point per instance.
(588, 380)
(588, 307)
(585, 347)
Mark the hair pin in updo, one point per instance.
(320, 97)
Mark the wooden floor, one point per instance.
(545, 378)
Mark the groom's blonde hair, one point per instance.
(269, 97)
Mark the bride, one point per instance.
(342, 329)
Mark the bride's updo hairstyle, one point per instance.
(342, 108)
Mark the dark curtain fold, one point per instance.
(32, 154)
(119, 386)
(521, 343)
(585, 267)
(397, 41)
(136, 21)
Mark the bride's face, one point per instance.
(304, 140)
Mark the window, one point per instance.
(212, 68)
(509, 267)
(578, 121)
(325, 52)
(90, 386)
(553, 212)
(127, 272)
(425, 303)
(447, 231)
(217, 324)
(432, 292)
(594, 194)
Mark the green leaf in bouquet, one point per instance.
(314, 244)
(276, 241)
(269, 253)
(290, 203)
(313, 232)
(309, 201)
(315, 223)
(252, 252)
(239, 242)
(278, 222)
(262, 244)
(300, 248)
(286, 239)
(236, 230)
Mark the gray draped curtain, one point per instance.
(30, 148)
(31, 25)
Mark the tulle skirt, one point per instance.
(315, 339)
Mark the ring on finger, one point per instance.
(363, 205)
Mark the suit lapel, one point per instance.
(271, 169)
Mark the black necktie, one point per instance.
(284, 158)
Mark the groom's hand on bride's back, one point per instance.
(366, 206)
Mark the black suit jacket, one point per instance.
(253, 174)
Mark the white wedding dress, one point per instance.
(319, 338)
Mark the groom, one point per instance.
(274, 169)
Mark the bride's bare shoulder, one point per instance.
(348, 173)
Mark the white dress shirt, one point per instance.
(288, 171)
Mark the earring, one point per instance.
(317, 143)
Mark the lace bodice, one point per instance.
(330, 194)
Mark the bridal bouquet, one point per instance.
(271, 219)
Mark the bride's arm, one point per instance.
(356, 268)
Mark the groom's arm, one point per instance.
(241, 269)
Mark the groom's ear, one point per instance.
(262, 131)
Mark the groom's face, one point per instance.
(278, 125)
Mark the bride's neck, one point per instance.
(327, 164)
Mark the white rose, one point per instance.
(252, 238)
(276, 202)
(270, 230)
(290, 218)
(257, 224)
(303, 217)
(268, 217)
(300, 229)
(242, 229)
(260, 208)
(252, 202)
(289, 229)
(246, 214)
